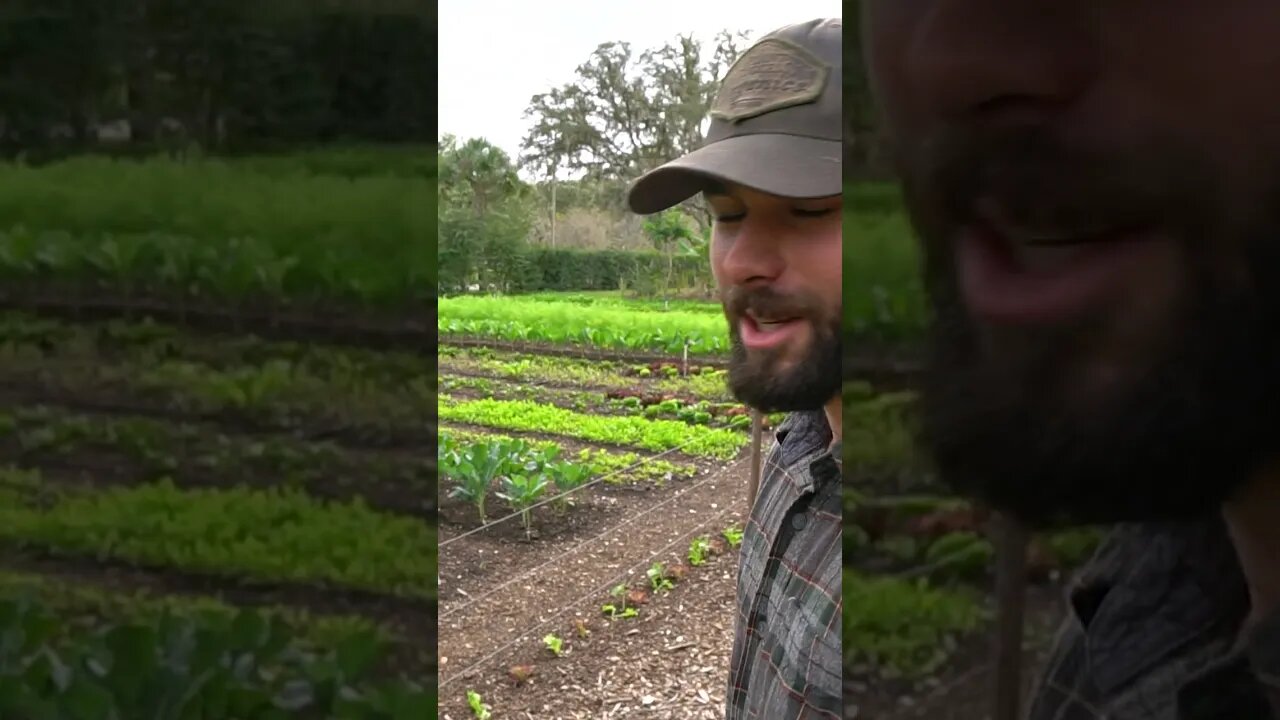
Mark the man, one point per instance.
(1096, 186)
(770, 170)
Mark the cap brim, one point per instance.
(784, 165)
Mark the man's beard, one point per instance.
(756, 377)
(1191, 424)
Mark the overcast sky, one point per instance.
(497, 54)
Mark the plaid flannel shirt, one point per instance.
(786, 662)
(1151, 634)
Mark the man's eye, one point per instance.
(729, 218)
(811, 213)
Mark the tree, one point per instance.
(623, 116)
(484, 216)
(865, 145)
(668, 231)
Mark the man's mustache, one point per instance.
(768, 303)
(1041, 181)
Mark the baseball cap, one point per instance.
(776, 124)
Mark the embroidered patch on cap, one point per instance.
(771, 75)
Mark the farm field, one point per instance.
(589, 520)
(217, 421)
(918, 583)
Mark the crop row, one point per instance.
(611, 327)
(525, 474)
(277, 393)
(271, 534)
(147, 342)
(618, 402)
(237, 270)
(367, 236)
(708, 384)
(620, 467)
(250, 666)
(134, 448)
(654, 435)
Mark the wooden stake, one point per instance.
(757, 437)
(1011, 585)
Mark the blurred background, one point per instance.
(217, 416)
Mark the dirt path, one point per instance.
(671, 661)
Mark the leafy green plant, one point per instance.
(698, 549)
(276, 534)
(523, 491)
(732, 535)
(619, 591)
(474, 469)
(657, 435)
(553, 643)
(960, 554)
(900, 628)
(658, 580)
(248, 666)
(623, 328)
(479, 709)
(568, 477)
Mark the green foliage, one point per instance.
(658, 580)
(656, 435)
(881, 437)
(523, 490)
(478, 707)
(606, 375)
(698, 549)
(1073, 547)
(275, 534)
(884, 300)
(903, 629)
(238, 75)
(511, 319)
(248, 667)
(733, 535)
(132, 226)
(554, 643)
(538, 269)
(961, 555)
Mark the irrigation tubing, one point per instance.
(445, 543)
(585, 543)
(621, 576)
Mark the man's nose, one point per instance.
(993, 62)
(753, 257)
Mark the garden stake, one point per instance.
(1011, 576)
(757, 434)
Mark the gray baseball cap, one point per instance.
(776, 124)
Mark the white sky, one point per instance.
(497, 54)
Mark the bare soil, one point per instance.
(336, 325)
(501, 596)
